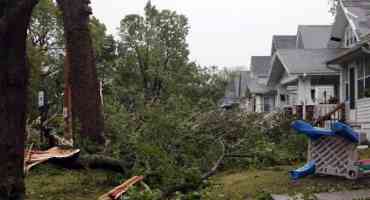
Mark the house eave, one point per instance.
(350, 54)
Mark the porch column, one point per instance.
(342, 86)
(277, 97)
(304, 93)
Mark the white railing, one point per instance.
(323, 109)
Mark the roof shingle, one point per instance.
(284, 41)
(309, 61)
(314, 36)
(260, 65)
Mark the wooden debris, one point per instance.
(118, 191)
(35, 157)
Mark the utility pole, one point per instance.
(67, 108)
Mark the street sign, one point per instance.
(41, 99)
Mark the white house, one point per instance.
(301, 78)
(299, 75)
(263, 97)
(351, 30)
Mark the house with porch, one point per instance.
(263, 97)
(300, 77)
(351, 30)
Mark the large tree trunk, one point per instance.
(14, 71)
(86, 102)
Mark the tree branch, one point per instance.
(217, 164)
(186, 187)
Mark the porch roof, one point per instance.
(350, 54)
(301, 62)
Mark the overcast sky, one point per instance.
(226, 32)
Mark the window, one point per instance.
(282, 97)
(313, 95)
(363, 78)
(349, 37)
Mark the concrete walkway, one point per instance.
(348, 195)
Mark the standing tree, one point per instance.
(86, 98)
(155, 52)
(14, 73)
(45, 45)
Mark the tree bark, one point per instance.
(14, 72)
(86, 102)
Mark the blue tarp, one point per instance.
(346, 131)
(312, 132)
(306, 170)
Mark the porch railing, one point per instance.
(328, 119)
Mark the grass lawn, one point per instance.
(249, 184)
(47, 182)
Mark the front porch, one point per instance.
(309, 97)
(355, 85)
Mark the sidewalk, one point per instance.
(348, 195)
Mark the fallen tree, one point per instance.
(188, 187)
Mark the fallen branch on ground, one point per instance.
(186, 187)
(118, 191)
(34, 157)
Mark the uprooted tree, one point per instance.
(86, 98)
(14, 72)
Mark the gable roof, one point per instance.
(358, 14)
(314, 36)
(284, 41)
(307, 61)
(260, 65)
(255, 87)
(300, 62)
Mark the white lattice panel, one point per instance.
(334, 156)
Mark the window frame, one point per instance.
(346, 82)
(363, 73)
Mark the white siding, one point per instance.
(363, 115)
(363, 110)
